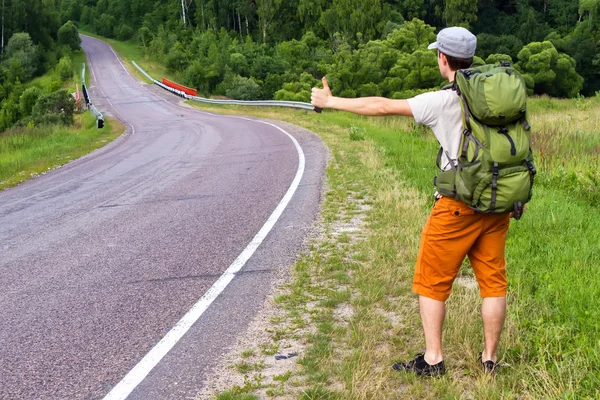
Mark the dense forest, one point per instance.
(35, 41)
(250, 49)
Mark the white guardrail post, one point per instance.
(264, 103)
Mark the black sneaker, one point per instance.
(420, 367)
(490, 367)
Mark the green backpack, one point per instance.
(495, 170)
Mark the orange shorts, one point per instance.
(452, 232)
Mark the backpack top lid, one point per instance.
(495, 94)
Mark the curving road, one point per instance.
(101, 258)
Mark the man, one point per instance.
(453, 230)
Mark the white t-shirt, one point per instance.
(441, 112)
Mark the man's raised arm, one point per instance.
(322, 98)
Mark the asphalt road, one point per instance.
(101, 258)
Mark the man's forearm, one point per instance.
(371, 106)
(362, 106)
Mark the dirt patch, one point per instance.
(274, 342)
(257, 340)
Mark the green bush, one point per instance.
(23, 56)
(498, 58)
(54, 108)
(349, 93)
(552, 72)
(369, 89)
(9, 114)
(144, 36)
(69, 36)
(177, 58)
(105, 25)
(407, 94)
(241, 88)
(125, 32)
(284, 95)
(54, 85)
(64, 69)
(28, 99)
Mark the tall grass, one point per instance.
(27, 152)
(567, 143)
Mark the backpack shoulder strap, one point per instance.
(449, 86)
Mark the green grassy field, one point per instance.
(28, 152)
(385, 166)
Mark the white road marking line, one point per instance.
(93, 74)
(118, 59)
(143, 368)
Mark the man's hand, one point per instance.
(321, 98)
(512, 214)
(371, 106)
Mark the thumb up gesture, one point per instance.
(321, 98)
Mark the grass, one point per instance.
(385, 166)
(28, 152)
(78, 59)
(51, 81)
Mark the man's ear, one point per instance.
(444, 58)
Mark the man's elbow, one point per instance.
(396, 107)
(382, 110)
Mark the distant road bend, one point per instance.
(101, 258)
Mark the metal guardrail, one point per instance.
(263, 103)
(88, 101)
(142, 71)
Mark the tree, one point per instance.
(498, 44)
(69, 36)
(240, 88)
(125, 32)
(552, 72)
(411, 9)
(144, 36)
(54, 108)
(65, 69)
(105, 26)
(533, 28)
(360, 19)
(460, 12)
(28, 100)
(266, 10)
(413, 35)
(498, 58)
(3, 10)
(21, 49)
(185, 5)
(418, 70)
(589, 11)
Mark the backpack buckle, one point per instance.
(496, 170)
(531, 167)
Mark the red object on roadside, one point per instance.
(175, 85)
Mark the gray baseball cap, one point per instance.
(455, 42)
